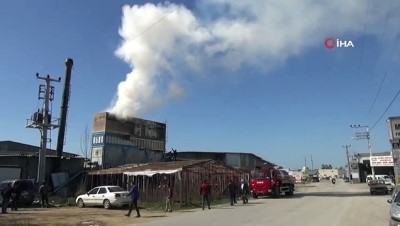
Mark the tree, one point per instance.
(85, 143)
(329, 166)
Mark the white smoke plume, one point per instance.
(160, 41)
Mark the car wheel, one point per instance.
(81, 204)
(107, 204)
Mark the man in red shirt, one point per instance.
(205, 192)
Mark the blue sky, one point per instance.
(242, 80)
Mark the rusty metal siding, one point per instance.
(186, 183)
(121, 155)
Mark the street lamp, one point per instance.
(365, 135)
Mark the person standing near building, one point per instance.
(44, 191)
(16, 194)
(244, 191)
(232, 191)
(6, 195)
(168, 198)
(205, 192)
(134, 193)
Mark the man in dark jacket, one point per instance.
(205, 192)
(134, 193)
(232, 191)
(16, 190)
(44, 191)
(6, 195)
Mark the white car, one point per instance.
(106, 196)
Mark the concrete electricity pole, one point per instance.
(348, 161)
(312, 163)
(42, 120)
(367, 136)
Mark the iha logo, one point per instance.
(331, 43)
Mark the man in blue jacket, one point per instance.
(134, 193)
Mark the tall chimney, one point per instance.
(64, 107)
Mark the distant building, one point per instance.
(117, 142)
(20, 161)
(361, 165)
(326, 173)
(243, 161)
(15, 148)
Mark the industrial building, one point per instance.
(361, 165)
(117, 142)
(242, 161)
(19, 160)
(16, 148)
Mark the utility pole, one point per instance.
(312, 163)
(42, 120)
(348, 161)
(305, 162)
(366, 135)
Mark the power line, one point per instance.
(398, 92)
(151, 26)
(377, 94)
(363, 42)
(379, 54)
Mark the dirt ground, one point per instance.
(92, 216)
(75, 216)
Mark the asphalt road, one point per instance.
(325, 204)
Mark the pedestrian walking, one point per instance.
(168, 198)
(205, 192)
(6, 195)
(232, 191)
(44, 191)
(244, 191)
(16, 190)
(134, 194)
(236, 191)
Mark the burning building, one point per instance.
(117, 142)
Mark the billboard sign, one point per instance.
(382, 160)
(394, 129)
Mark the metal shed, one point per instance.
(185, 177)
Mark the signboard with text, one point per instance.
(382, 160)
(394, 129)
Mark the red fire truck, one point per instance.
(270, 181)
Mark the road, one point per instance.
(325, 204)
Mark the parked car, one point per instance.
(27, 190)
(378, 186)
(106, 196)
(396, 189)
(394, 212)
(388, 180)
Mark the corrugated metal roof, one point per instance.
(150, 166)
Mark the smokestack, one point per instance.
(64, 106)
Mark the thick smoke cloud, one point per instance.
(160, 41)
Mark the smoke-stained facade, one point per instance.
(117, 141)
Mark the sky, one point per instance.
(231, 76)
